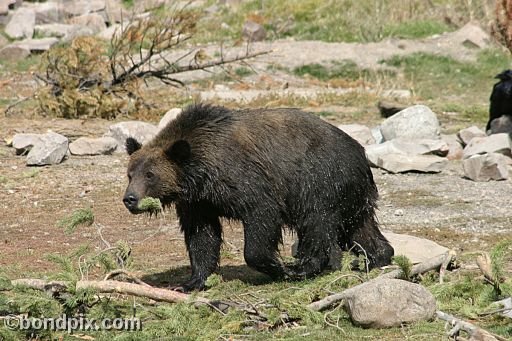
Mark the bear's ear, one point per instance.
(132, 145)
(179, 151)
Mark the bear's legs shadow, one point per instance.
(179, 275)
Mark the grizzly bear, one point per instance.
(268, 169)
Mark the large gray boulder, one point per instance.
(495, 143)
(407, 148)
(21, 24)
(358, 132)
(384, 303)
(486, 167)
(49, 151)
(399, 163)
(141, 131)
(416, 249)
(93, 146)
(416, 122)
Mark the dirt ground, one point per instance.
(446, 208)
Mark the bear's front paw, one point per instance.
(195, 283)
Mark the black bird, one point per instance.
(501, 97)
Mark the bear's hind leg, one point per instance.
(317, 249)
(203, 237)
(261, 247)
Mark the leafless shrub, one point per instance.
(89, 78)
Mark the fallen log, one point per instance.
(124, 288)
(430, 264)
(475, 333)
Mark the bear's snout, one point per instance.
(131, 202)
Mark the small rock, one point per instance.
(466, 135)
(21, 24)
(48, 12)
(51, 150)
(416, 249)
(416, 122)
(93, 21)
(14, 52)
(455, 150)
(486, 167)
(406, 147)
(141, 131)
(399, 302)
(91, 146)
(501, 124)
(495, 143)
(358, 132)
(399, 212)
(37, 45)
(388, 109)
(24, 142)
(399, 163)
(76, 8)
(168, 117)
(472, 35)
(253, 31)
(421, 146)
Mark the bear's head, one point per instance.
(154, 171)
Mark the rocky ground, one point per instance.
(444, 207)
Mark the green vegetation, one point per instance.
(404, 264)
(243, 72)
(442, 79)
(279, 307)
(21, 65)
(345, 69)
(344, 20)
(83, 216)
(150, 205)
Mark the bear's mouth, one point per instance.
(135, 210)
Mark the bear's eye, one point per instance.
(149, 175)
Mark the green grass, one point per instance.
(243, 71)
(342, 20)
(452, 85)
(344, 69)
(83, 216)
(22, 65)
(463, 295)
(415, 29)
